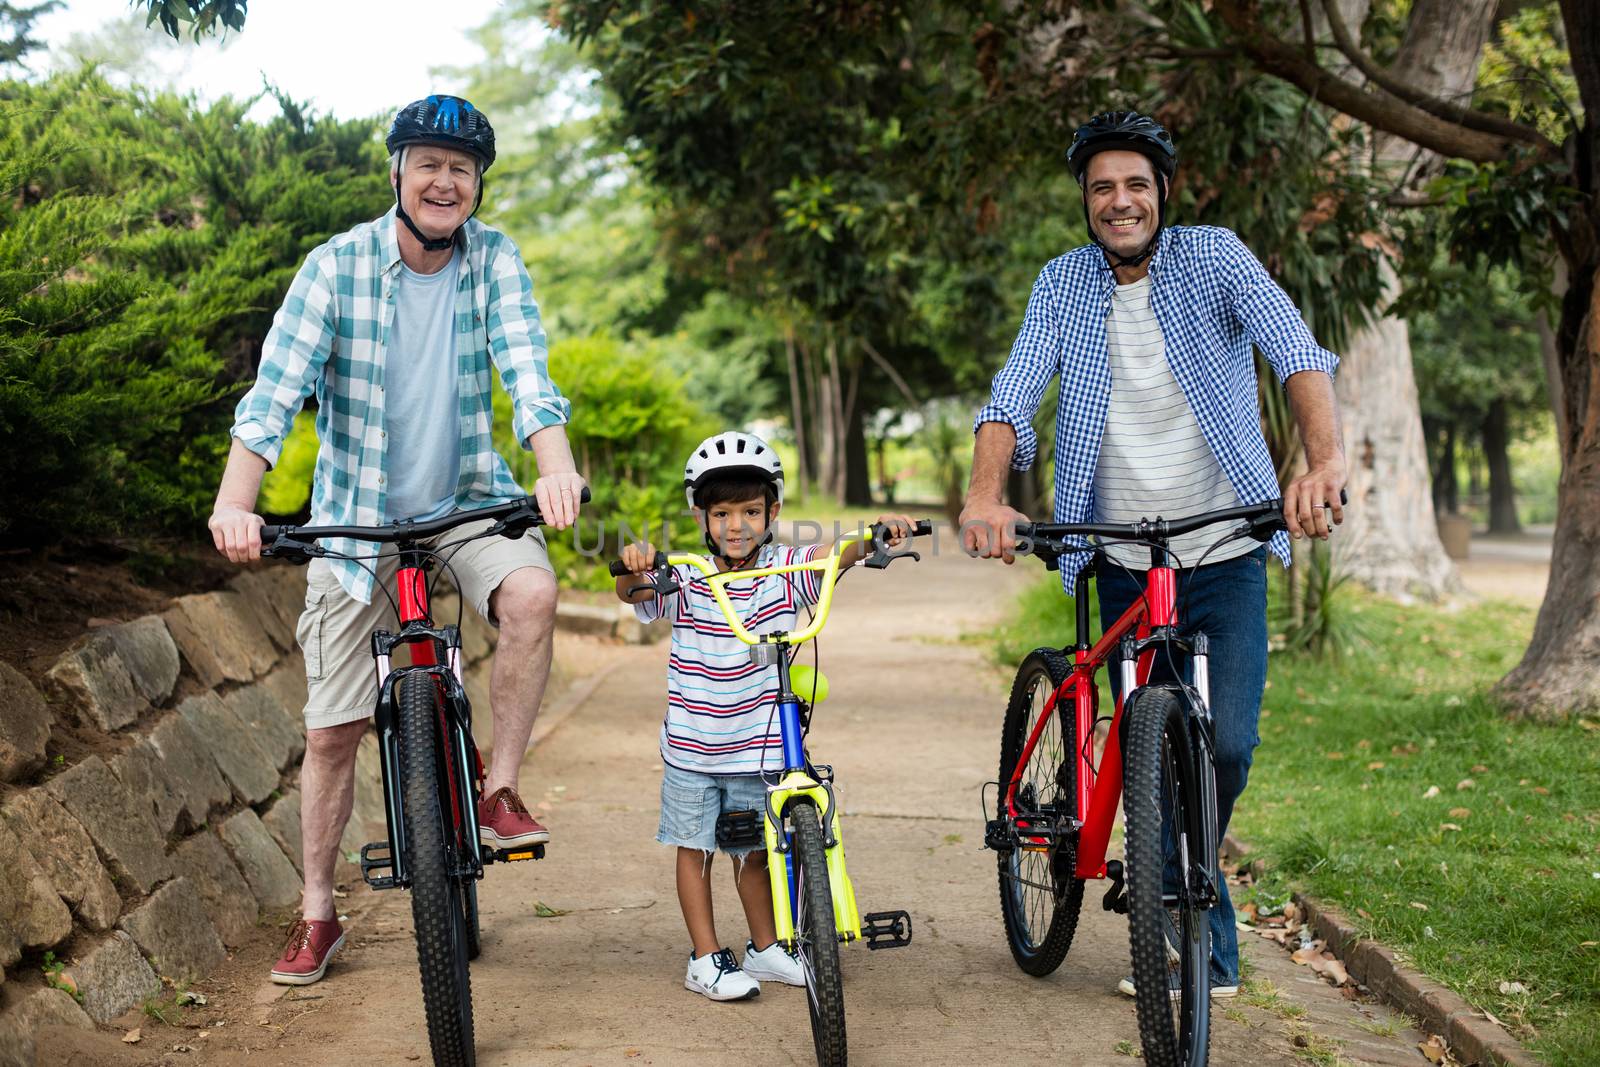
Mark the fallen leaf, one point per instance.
(132, 1037)
(1419, 905)
(1278, 934)
(1466, 783)
(1478, 768)
(633, 1053)
(1434, 1049)
(1512, 988)
(1432, 792)
(1307, 954)
(1335, 755)
(1364, 913)
(1460, 813)
(183, 1048)
(545, 911)
(1448, 826)
(1291, 912)
(1334, 972)
(1375, 765)
(1588, 944)
(190, 996)
(1541, 790)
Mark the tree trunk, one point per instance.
(797, 415)
(1390, 538)
(857, 476)
(1446, 493)
(1502, 493)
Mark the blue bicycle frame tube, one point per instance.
(794, 752)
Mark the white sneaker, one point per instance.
(718, 977)
(773, 964)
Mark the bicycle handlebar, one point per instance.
(1157, 529)
(664, 581)
(298, 543)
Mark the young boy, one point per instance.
(720, 732)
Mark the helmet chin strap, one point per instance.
(741, 563)
(1118, 260)
(430, 244)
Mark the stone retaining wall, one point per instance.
(153, 858)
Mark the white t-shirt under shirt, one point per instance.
(721, 708)
(422, 417)
(1154, 460)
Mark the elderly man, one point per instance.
(1150, 330)
(394, 325)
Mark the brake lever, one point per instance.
(297, 553)
(882, 555)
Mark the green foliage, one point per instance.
(286, 490)
(204, 17)
(632, 428)
(53, 978)
(144, 244)
(16, 22)
(1526, 71)
(1324, 624)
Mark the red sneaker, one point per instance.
(504, 822)
(311, 944)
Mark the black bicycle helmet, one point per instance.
(448, 121)
(1126, 131)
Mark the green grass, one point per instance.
(1490, 880)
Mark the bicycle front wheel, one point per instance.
(1039, 896)
(469, 917)
(1167, 849)
(438, 901)
(816, 935)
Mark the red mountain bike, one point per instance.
(1057, 803)
(432, 773)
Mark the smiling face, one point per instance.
(1120, 189)
(737, 526)
(438, 188)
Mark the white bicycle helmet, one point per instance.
(732, 451)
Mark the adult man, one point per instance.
(395, 329)
(1150, 329)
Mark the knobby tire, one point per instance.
(816, 935)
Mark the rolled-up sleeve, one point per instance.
(292, 358)
(1270, 318)
(1035, 358)
(517, 346)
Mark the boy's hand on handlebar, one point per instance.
(236, 533)
(559, 497)
(639, 558)
(988, 530)
(897, 528)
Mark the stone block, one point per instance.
(193, 648)
(120, 829)
(147, 650)
(24, 725)
(287, 586)
(174, 932)
(40, 1009)
(268, 871)
(262, 713)
(251, 771)
(32, 914)
(228, 901)
(222, 622)
(145, 777)
(63, 849)
(282, 821)
(93, 676)
(257, 592)
(190, 768)
(113, 978)
(596, 620)
(288, 684)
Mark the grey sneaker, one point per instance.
(718, 977)
(1174, 988)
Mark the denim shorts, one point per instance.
(691, 802)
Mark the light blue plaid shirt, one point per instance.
(331, 337)
(1213, 300)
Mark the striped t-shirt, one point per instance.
(1153, 458)
(721, 708)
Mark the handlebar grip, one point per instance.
(619, 569)
(923, 528)
(270, 533)
(583, 497)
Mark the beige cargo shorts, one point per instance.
(335, 630)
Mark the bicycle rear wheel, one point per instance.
(1161, 783)
(438, 900)
(1039, 896)
(469, 917)
(816, 934)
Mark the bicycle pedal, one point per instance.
(886, 929)
(1116, 898)
(371, 863)
(512, 855)
(740, 829)
(999, 835)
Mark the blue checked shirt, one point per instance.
(331, 337)
(1213, 300)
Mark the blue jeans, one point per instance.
(1228, 603)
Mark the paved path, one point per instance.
(912, 731)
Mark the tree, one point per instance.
(16, 22)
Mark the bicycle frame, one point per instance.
(1149, 623)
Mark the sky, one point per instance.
(348, 58)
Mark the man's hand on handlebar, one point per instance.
(236, 533)
(988, 530)
(559, 497)
(1313, 502)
